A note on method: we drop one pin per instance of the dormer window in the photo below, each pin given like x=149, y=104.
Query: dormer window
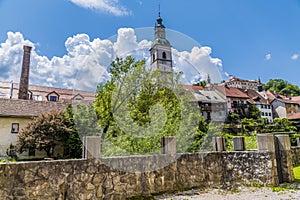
x=53, y=96
x=78, y=97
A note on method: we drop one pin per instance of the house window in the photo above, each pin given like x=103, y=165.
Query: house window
x=15, y=128
x=53, y=98
x=262, y=114
x=270, y=114
x=31, y=152
x=37, y=97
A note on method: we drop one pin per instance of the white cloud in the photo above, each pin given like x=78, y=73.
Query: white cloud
x=295, y=56
x=268, y=56
x=110, y=6
x=126, y=41
x=197, y=64
x=86, y=61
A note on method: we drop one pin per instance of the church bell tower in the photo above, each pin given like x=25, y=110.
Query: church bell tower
x=161, y=53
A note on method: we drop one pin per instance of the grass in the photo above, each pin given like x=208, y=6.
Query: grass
x=5, y=160
x=279, y=189
x=285, y=187
x=297, y=174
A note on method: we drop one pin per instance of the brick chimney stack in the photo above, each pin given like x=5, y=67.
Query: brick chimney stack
x=24, y=79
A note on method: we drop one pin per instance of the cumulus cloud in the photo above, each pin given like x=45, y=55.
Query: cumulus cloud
x=110, y=6
x=126, y=41
x=86, y=61
x=198, y=64
x=295, y=56
x=268, y=56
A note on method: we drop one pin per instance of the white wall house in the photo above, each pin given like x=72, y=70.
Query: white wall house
x=266, y=111
x=242, y=84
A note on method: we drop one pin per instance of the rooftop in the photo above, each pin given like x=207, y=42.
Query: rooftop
x=42, y=91
x=28, y=108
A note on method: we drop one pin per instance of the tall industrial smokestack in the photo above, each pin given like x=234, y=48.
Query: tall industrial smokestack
x=11, y=89
x=24, y=79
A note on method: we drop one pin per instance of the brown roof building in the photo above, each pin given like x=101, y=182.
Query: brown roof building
x=15, y=114
x=28, y=109
x=44, y=93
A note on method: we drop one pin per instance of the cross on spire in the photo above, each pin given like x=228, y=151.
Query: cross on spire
x=159, y=10
x=159, y=19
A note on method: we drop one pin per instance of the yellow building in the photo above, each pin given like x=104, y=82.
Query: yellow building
x=15, y=114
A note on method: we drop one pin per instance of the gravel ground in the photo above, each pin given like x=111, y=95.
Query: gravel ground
x=245, y=193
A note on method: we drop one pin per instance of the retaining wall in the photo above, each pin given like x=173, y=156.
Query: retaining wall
x=123, y=177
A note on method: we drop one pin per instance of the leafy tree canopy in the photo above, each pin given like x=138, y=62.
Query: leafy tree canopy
x=50, y=130
x=282, y=87
x=135, y=110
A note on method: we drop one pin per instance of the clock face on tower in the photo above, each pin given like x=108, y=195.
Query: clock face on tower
x=162, y=34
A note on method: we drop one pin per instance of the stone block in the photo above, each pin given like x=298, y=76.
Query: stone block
x=284, y=158
x=91, y=147
x=219, y=144
x=265, y=142
x=239, y=144
x=298, y=142
x=168, y=145
x=284, y=142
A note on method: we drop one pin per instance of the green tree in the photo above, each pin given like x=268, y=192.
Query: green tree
x=282, y=87
x=86, y=121
x=202, y=83
x=283, y=124
x=135, y=110
x=253, y=112
x=233, y=118
x=50, y=130
x=118, y=69
x=72, y=143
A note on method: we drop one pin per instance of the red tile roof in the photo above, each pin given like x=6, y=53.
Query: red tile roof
x=232, y=92
x=273, y=95
x=192, y=87
x=255, y=97
x=296, y=99
x=294, y=116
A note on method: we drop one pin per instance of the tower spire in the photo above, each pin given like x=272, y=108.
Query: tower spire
x=161, y=52
x=159, y=19
x=159, y=10
x=208, y=79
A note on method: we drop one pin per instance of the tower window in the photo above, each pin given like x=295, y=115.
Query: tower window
x=164, y=55
x=153, y=57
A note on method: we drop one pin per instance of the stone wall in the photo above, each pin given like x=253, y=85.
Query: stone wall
x=123, y=177
x=250, y=167
x=295, y=151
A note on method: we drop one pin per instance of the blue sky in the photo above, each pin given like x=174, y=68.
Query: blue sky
x=250, y=38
